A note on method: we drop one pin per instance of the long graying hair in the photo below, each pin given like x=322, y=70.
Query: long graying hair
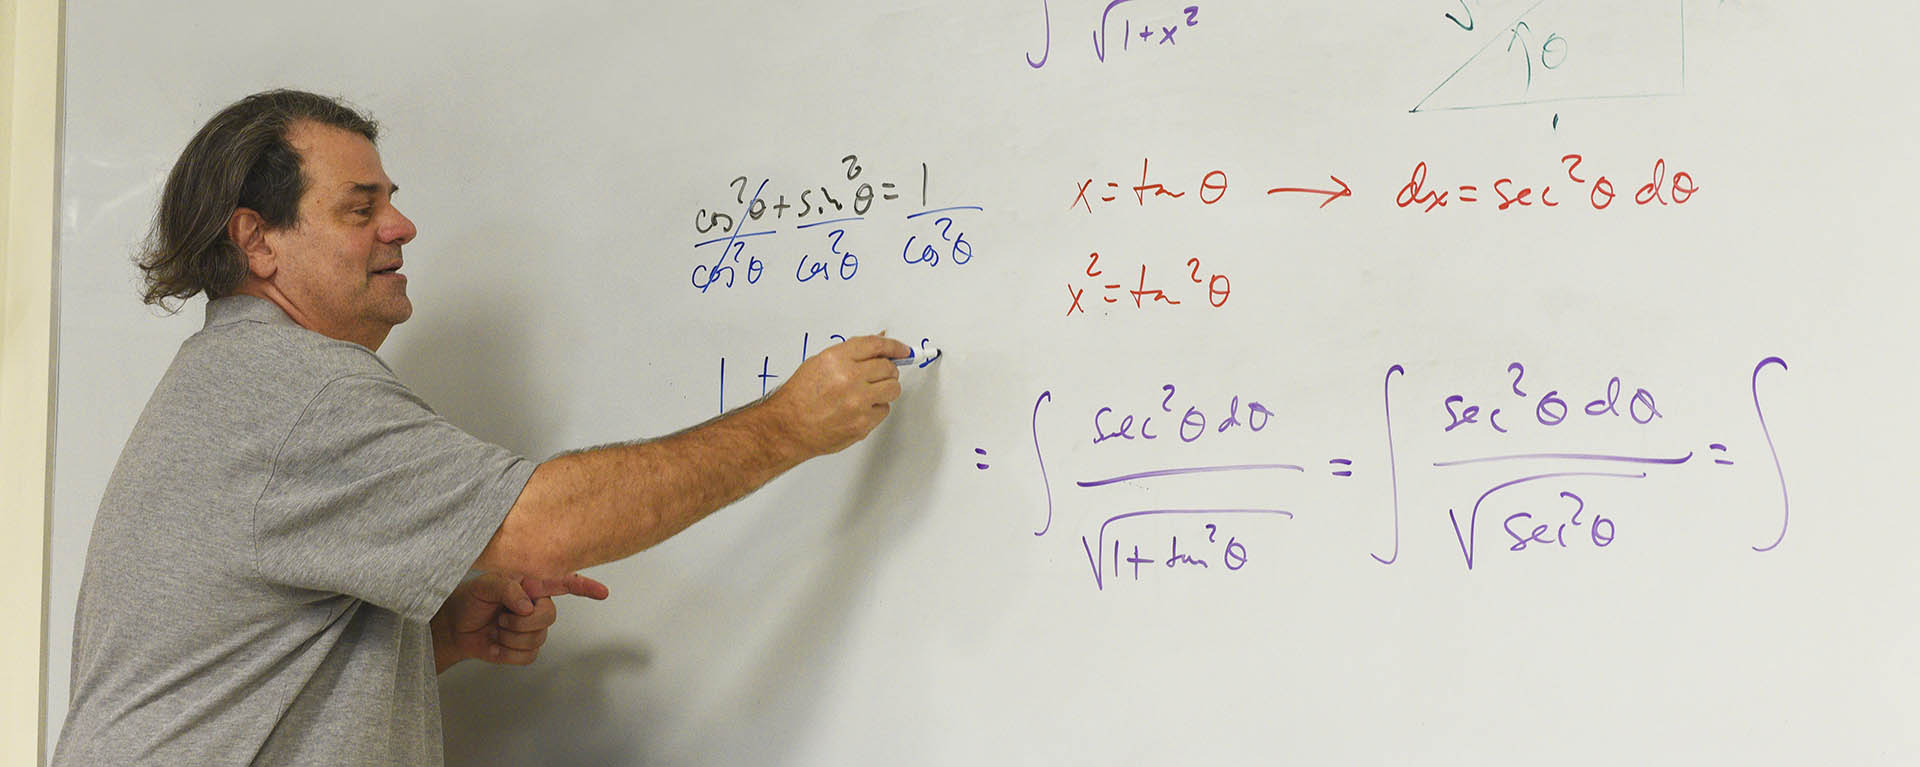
x=240, y=159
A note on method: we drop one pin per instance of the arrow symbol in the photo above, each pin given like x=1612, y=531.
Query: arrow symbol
x=1332, y=194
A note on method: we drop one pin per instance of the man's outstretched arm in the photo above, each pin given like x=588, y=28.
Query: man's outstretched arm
x=608, y=503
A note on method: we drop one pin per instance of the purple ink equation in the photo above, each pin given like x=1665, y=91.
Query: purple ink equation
x=1600, y=531
x=1193, y=423
x=1233, y=555
x=1785, y=505
x=1469, y=540
x=1550, y=512
x=1568, y=457
x=1040, y=457
x=1393, y=467
x=1156, y=32
x=1637, y=412
x=1551, y=409
x=1188, y=470
x=1230, y=555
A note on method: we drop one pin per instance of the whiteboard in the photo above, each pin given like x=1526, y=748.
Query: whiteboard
x=1436, y=382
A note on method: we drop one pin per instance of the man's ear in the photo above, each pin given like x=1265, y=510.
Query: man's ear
x=249, y=232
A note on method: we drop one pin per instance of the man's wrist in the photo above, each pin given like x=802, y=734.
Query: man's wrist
x=780, y=430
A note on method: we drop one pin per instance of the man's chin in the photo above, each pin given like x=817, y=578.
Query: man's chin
x=398, y=311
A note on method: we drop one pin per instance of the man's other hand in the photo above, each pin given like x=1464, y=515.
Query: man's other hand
x=504, y=620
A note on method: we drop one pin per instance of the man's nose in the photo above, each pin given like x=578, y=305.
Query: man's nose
x=398, y=231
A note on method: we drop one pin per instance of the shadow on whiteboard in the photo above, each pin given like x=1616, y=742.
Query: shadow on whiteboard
x=558, y=711
x=768, y=705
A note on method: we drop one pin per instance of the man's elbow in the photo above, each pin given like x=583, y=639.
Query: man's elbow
x=559, y=526
x=524, y=550
x=532, y=541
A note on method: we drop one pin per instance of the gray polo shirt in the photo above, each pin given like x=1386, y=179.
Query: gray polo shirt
x=283, y=522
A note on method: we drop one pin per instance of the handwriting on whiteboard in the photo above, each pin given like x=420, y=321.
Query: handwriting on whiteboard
x=1119, y=287
x=825, y=219
x=1210, y=189
x=1119, y=549
x=755, y=376
x=1660, y=189
x=1540, y=52
x=1143, y=26
x=1593, y=190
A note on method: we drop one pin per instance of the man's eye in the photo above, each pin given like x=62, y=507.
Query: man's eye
x=364, y=212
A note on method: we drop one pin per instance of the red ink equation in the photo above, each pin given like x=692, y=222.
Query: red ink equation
x=1126, y=285
x=1596, y=191
x=1211, y=189
x=1089, y=193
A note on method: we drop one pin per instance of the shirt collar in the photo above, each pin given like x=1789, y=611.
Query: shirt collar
x=244, y=308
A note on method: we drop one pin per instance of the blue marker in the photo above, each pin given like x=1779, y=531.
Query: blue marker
x=910, y=359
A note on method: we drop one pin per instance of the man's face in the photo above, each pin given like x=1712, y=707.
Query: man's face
x=339, y=266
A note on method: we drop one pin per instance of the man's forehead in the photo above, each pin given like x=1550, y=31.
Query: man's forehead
x=338, y=161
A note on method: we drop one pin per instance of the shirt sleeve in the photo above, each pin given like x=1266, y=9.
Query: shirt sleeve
x=375, y=496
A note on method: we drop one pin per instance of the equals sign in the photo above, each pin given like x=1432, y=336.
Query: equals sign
x=1719, y=448
x=885, y=186
x=1342, y=472
x=1464, y=190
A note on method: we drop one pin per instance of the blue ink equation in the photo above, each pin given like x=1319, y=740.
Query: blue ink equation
x=765, y=380
x=756, y=214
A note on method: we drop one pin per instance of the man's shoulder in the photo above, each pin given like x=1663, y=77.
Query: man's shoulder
x=241, y=385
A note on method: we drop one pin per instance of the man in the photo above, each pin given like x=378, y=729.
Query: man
x=275, y=574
